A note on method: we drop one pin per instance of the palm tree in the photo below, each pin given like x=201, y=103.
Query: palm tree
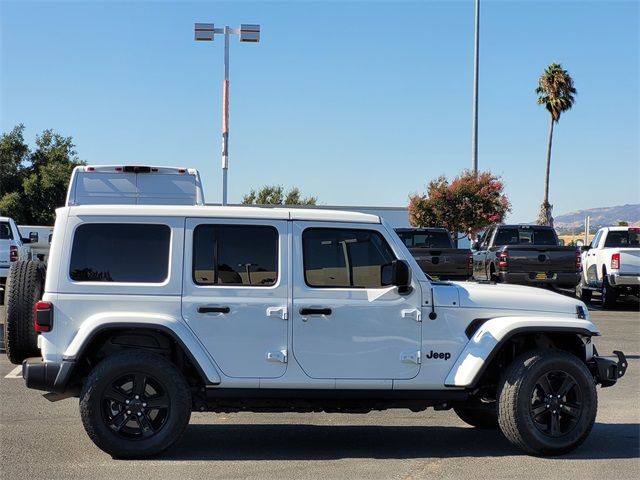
x=556, y=92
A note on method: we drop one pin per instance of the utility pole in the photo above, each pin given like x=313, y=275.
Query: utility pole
x=474, y=133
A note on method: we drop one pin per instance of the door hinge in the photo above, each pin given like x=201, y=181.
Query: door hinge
x=277, y=356
x=280, y=312
x=412, y=356
x=412, y=313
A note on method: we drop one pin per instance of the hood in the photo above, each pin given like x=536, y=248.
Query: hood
x=515, y=297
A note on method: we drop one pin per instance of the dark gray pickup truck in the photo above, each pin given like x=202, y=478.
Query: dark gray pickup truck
x=434, y=251
x=526, y=255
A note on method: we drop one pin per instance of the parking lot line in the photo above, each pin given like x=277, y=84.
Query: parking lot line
x=15, y=373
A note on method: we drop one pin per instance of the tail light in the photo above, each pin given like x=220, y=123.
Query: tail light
x=503, y=260
x=615, y=261
x=578, y=262
x=43, y=317
x=470, y=264
x=13, y=253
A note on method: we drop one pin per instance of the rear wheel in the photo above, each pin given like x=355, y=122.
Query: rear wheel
x=609, y=294
x=135, y=404
x=547, y=402
x=25, y=285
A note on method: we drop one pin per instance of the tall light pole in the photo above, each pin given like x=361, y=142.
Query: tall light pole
x=474, y=133
x=247, y=33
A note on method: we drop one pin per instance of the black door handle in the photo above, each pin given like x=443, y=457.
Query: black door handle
x=315, y=311
x=214, y=309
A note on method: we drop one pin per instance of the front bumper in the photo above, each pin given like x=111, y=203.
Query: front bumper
x=47, y=376
x=567, y=280
x=607, y=371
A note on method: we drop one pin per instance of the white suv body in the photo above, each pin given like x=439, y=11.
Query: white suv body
x=266, y=303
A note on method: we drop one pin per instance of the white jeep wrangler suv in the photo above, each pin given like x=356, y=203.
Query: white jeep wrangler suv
x=152, y=312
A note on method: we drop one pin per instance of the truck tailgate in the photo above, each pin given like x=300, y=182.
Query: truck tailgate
x=629, y=261
x=442, y=263
x=541, y=259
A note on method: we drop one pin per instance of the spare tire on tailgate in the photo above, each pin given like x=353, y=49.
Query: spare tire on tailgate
x=25, y=286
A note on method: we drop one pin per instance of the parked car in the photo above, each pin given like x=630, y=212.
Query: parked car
x=39, y=240
x=13, y=247
x=526, y=255
x=152, y=312
x=611, y=265
x=436, y=254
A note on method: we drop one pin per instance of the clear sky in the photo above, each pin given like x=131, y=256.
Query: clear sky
x=359, y=103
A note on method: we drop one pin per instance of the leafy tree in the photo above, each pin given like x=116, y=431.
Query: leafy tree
x=275, y=195
x=623, y=223
x=468, y=204
x=556, y=92
x=34, y=183
x=13, y=154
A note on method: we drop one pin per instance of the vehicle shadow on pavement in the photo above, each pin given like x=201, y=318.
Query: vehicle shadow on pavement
x=326, y=442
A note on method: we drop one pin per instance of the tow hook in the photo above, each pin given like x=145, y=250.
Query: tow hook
x=607, y=371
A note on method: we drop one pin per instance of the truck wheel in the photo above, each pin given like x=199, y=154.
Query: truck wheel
x=135, y=404
x=479, y=416
x=547, y=402
x=25, y=285
x=609, y=294
x=582, y=293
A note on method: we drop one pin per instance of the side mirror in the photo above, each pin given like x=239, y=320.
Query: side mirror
x=585, y=248
x=33, y=237
x=26, y=240
x=397, y=273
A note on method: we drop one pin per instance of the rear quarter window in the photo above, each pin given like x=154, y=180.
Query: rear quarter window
x=5, y=231
x=120, y=252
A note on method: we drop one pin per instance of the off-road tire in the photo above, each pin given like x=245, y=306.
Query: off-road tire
x=582, y=293
x=25, y=285
x=94, y=399
x=478, y=415
x=515, y=404
x=609, y=294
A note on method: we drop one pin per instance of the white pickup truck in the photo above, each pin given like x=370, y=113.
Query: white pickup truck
x=12, y=248
x=611, y=265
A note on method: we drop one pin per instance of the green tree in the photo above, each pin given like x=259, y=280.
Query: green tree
x=467, y=204
x=34, y=183
x=623, y=223
x=556, y=92
x=275, y=195
x=14, y=153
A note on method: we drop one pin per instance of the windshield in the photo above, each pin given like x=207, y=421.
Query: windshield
x=623, y=239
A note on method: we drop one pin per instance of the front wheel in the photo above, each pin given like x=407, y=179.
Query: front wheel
x=547, y=402
x=135, y=404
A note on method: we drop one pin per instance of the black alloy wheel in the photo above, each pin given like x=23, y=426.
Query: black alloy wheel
x=556, y=403
x=135, y=406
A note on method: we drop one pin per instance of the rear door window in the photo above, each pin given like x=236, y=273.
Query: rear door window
x=120, y=252
x=245, y=255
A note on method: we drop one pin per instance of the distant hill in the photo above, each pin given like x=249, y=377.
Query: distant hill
x=600, y=217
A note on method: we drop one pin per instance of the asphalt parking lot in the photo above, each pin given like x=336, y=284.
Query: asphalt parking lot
x=42, y=440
